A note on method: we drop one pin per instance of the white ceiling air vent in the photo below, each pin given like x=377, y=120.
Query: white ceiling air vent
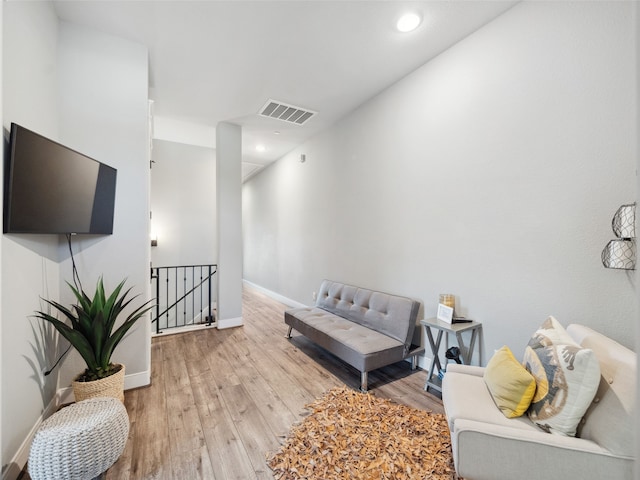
x=286, y=113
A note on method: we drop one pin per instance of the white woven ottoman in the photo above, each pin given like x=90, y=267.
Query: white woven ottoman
x=80, y=441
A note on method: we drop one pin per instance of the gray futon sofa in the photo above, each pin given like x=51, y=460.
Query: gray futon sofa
x=364, y=328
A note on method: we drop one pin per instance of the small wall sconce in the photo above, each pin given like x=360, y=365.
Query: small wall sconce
x=621, y=252
x=154, y=240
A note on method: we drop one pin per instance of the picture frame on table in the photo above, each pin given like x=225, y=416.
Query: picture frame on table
x=445, y=313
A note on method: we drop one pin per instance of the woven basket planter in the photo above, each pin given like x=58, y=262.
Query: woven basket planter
x=111, y=386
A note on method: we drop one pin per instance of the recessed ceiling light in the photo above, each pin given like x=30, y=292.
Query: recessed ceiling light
x=408, y=22
x=276, y=132
x=260, y=148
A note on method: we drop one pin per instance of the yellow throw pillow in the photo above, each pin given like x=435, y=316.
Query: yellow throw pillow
x=509, y=383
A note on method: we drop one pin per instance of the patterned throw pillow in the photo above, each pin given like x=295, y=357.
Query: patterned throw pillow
x=567, y=377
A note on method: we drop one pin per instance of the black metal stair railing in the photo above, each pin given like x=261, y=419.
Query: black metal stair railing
x=184, y=296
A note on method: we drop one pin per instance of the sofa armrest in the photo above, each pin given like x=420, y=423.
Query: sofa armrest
x=534, y=455
x=468, y=369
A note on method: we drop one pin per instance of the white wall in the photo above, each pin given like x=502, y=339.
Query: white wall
x=492, y=172
x=88, y=91
x=103, y=105
x=636, y=18
x=29, y=263
x=183, y=202
x=182, y=131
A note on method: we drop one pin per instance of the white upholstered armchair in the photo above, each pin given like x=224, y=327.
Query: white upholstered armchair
x=489, y=446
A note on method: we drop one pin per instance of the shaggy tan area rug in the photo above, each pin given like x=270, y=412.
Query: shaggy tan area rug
x=353, y=435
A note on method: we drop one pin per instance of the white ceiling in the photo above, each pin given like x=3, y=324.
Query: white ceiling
x=214, y=61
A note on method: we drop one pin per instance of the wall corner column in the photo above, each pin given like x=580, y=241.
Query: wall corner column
x=229, y=212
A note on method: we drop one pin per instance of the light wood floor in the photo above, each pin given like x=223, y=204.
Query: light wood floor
x=220, y=400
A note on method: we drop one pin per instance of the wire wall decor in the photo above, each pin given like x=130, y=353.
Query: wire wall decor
x=620, y=253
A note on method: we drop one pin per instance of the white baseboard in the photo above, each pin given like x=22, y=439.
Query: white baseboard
x=187, y=328
x=229, y=322
x=65, y=395
x=19, y=460
x=62, y=396
x=137, y=380
x=276, y=296
x=423, y=362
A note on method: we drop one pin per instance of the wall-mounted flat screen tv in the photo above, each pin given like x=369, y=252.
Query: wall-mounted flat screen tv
x=50, y=188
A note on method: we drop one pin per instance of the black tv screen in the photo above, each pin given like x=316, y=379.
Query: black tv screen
x=50, y=188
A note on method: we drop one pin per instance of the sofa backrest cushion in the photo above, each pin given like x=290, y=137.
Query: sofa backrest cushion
x=610, y=419
x=391, y=315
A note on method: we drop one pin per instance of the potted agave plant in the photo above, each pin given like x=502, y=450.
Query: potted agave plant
x=92, y=334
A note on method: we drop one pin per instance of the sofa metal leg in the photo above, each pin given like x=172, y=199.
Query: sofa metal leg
x=364, y=379
x=288, y=335
x=414, y=362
